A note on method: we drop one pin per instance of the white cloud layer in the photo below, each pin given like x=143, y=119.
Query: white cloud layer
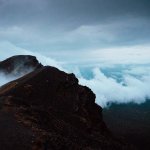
x=135, y=80
x=139, y=54
x=107, y=89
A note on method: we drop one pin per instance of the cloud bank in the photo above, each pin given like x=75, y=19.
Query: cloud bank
x=112, y=80
x=108, y=89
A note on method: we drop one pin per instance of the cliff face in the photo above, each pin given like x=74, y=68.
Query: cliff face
x=49, y=110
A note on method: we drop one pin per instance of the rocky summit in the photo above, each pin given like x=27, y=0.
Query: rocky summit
x=19, y=65
x=47, y=109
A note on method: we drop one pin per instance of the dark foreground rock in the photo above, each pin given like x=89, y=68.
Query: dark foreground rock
x=48, y=110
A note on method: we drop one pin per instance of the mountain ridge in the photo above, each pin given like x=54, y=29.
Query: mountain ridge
x=56, y=112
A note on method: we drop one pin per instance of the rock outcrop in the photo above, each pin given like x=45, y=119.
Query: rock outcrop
x=19, y=65
x=48, y=110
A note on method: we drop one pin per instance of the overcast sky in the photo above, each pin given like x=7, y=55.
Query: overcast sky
x=73, y=28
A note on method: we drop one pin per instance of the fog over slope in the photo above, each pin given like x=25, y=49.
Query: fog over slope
x=4, y=79
x=120, y=83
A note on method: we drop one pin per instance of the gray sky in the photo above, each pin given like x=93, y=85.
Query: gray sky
x=55, y=27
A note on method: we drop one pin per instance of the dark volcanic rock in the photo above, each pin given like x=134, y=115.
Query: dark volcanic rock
x=57, y=112
x=19, y=65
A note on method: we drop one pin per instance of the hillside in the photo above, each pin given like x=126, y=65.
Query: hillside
x=47, y=109
x=130, y=122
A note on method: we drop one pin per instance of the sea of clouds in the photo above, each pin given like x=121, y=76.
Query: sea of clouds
x=111, y=81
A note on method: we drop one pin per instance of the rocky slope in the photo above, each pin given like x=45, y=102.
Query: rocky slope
x=131, y=122
x=48, y=110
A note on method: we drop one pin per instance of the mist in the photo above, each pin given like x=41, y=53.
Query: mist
x=4, y=79
x=15, y=74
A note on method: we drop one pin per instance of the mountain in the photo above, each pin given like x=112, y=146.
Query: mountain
x=47, y=109
x=131, y=122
